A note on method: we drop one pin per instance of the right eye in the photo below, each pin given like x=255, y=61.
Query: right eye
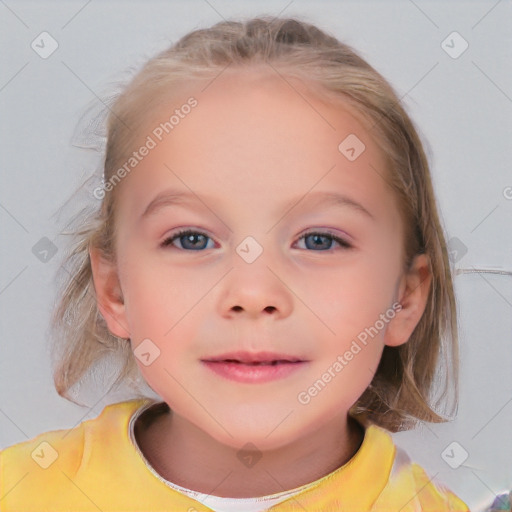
x=189, y=239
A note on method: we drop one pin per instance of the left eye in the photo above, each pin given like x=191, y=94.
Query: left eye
x=195, y=240
x=316, y=238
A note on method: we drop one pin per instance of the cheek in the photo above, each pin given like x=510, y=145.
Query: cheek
x=351, y=297
x=158, y=295
x=352, y=304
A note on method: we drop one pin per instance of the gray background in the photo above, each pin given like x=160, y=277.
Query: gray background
x=463, y=107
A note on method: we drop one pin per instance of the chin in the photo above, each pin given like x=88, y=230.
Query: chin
x=263, y=434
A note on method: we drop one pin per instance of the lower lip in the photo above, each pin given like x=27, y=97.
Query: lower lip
x=254, y=374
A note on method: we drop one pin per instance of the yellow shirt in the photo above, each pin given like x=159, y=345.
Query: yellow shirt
x=95, y=466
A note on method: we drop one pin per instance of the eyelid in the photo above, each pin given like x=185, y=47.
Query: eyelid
x=334, y=232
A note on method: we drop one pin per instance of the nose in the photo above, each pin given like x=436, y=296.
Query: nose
x=255, y=291
x=267, y=309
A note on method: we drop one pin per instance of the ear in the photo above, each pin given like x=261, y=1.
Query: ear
x=413, y=291
x=108, y=294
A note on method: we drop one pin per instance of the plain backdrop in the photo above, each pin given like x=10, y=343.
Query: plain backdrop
x=460, y=100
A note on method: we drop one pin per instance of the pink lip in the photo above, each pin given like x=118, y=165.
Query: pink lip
x=254, y=373
x=254, y=367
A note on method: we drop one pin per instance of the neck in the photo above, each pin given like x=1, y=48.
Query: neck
x=187, y=456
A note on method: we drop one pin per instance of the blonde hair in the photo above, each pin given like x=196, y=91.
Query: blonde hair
x=404, y=386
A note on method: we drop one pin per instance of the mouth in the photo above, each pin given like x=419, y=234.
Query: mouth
x=259, y=358
x=258, y=363
x=256, y=368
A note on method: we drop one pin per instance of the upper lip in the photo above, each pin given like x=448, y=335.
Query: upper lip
x=254, y=357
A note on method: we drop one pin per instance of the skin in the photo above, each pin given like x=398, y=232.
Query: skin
x=252, y=146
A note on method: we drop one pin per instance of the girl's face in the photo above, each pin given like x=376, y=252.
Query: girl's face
x=266, y=175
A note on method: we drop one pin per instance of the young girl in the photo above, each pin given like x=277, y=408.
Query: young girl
x=268, y=255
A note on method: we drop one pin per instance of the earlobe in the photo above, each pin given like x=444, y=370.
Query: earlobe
x=109, y=294
x=413, y=293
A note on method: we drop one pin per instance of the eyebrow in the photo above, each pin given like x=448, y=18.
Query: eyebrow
x=173, y=197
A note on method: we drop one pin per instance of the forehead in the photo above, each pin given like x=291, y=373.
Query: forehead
x=253, y=135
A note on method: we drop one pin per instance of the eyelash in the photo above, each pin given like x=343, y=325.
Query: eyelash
x=343, y=243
